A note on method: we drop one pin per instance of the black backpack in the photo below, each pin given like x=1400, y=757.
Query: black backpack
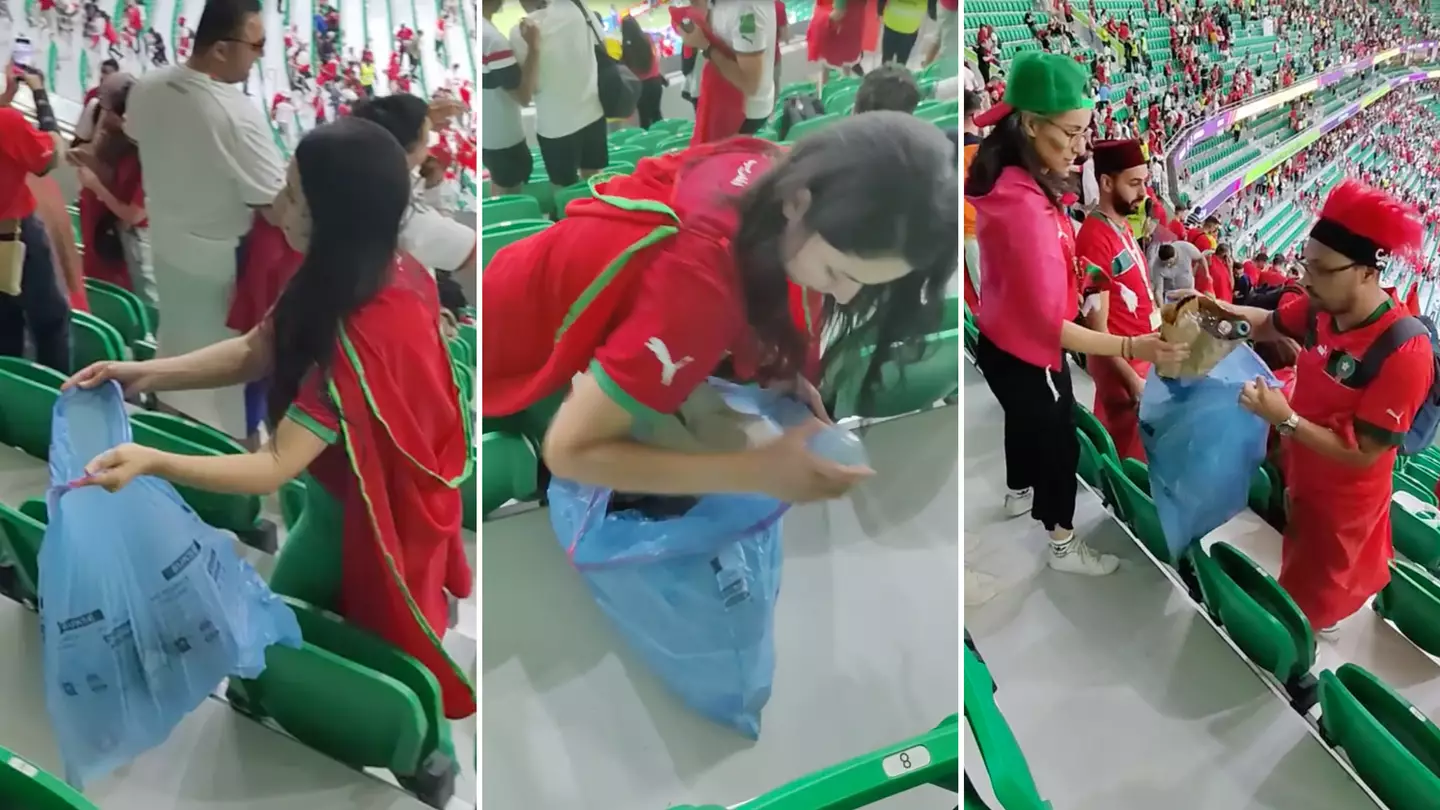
x=796, y=109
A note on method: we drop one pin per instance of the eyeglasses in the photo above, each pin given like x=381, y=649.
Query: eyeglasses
x=1324, y=272
x=258, y=46
x=1072, y=135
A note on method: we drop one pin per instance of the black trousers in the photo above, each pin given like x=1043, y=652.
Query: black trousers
x=895, y=46
x=1041, y=451
x=648, y=108
x=42, y=307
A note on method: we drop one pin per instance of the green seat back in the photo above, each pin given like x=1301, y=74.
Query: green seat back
x=509, y=470
x=628, y=153
x=565, y=196
x=93, y=340
x=292, y=501
x=1000, y=753
x=235, y=513
x=932, y=758
x=20, y=538
x=145, y=349
x=809, y=125
x=836, y=87
x=348, y=694
x=1262, y=492
x=622, y=136
x=1258, y=614
x=841, y=102
x=1090, y=464
x=508, y=208
x=950, y=314
x=795, y=89
x=649, y=143
x=25, y=413
x=495, y=237
x=1392, y=745
x=1412, y=602
x=34, y=372
x=118, y=307
x=1099, y=436
x=930, y=376
x=674, y=126
x=190, y=430
x=25, y=787
x=1405, y=483
x=1127, y=488
x=1414, y=528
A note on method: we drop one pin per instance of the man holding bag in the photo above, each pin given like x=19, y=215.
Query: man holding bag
x=1364, y=370
x=1117, y=297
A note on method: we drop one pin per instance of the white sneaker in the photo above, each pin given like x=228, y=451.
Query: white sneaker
x=1018, y=501
x=1074, y=557
x=980, y=587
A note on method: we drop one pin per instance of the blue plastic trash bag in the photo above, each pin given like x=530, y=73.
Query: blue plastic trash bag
x=694, y=596
x=1202, y=445
x=144, y=609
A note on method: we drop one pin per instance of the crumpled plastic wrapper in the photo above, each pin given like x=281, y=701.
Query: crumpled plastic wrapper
x=1203, y=325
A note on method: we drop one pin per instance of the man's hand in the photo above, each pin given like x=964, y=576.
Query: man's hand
x=529, y=31
x=12, y=84
x=32, y=78
x=1265, y=402
x=695, y=38
x=443, y=109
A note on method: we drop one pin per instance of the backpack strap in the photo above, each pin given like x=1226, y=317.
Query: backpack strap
x=1395, y=336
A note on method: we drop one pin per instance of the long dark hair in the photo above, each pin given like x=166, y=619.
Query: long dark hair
x=1008, y=145
x=636, y=49
x=354, y=177
x=882, y=184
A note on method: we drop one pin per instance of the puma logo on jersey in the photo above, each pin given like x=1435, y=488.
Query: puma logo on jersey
x=668, y=367
x=742, y=177
x=1393, y=415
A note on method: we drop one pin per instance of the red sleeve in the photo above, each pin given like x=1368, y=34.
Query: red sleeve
x=313, y=411
x=1388, y=404
x=1292, y=317
x=31, y=149
x=682, y=323
x=1096, y=250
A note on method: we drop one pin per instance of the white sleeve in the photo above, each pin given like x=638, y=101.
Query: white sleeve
x=518, y=48
x=253, y=157
x=747, y=27
x=435, y=240
x=496, y=51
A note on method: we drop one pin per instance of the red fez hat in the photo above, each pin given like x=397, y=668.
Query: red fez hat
x=1113, y=157
x=1366, y=225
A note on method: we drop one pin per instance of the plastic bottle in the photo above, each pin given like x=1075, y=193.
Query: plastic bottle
x=840, y=446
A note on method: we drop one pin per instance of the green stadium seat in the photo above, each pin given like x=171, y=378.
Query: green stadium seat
x=811, y=125
x=1259, y=616
x=565, y=196
x=1000, y=753
x=1392, y=745
x=495, y=237
x=355, y=698
x=235, y=513
x=25, y=787
x=510, y=471
x=25, y=417
x=1127, y=484
x=93, y=340
x=120, y=308
x=1415, y=529
x=20, y=538
x=1412, y=603
x=509, y=208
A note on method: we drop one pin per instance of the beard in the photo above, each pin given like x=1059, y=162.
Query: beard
x=1125, y=207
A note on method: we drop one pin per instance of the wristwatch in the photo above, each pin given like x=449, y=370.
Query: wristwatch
x=1287, y=428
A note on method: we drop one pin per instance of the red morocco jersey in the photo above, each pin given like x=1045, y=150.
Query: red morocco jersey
x=635, y=285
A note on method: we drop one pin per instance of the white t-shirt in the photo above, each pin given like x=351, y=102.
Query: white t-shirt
x=567, y=90
x=208, y=152
x=433, y=239
x=748, y=26
x=501, y=112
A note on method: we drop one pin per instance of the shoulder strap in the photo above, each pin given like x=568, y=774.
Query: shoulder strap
x=1395, y=336
x=1312, y=328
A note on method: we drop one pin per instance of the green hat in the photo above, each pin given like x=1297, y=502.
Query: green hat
x=1047, y=84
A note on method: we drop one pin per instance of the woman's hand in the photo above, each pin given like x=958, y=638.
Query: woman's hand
x=117, y=467
x=135, y=378
x=790, y=472
x=1153, y=349
x=805, y=391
